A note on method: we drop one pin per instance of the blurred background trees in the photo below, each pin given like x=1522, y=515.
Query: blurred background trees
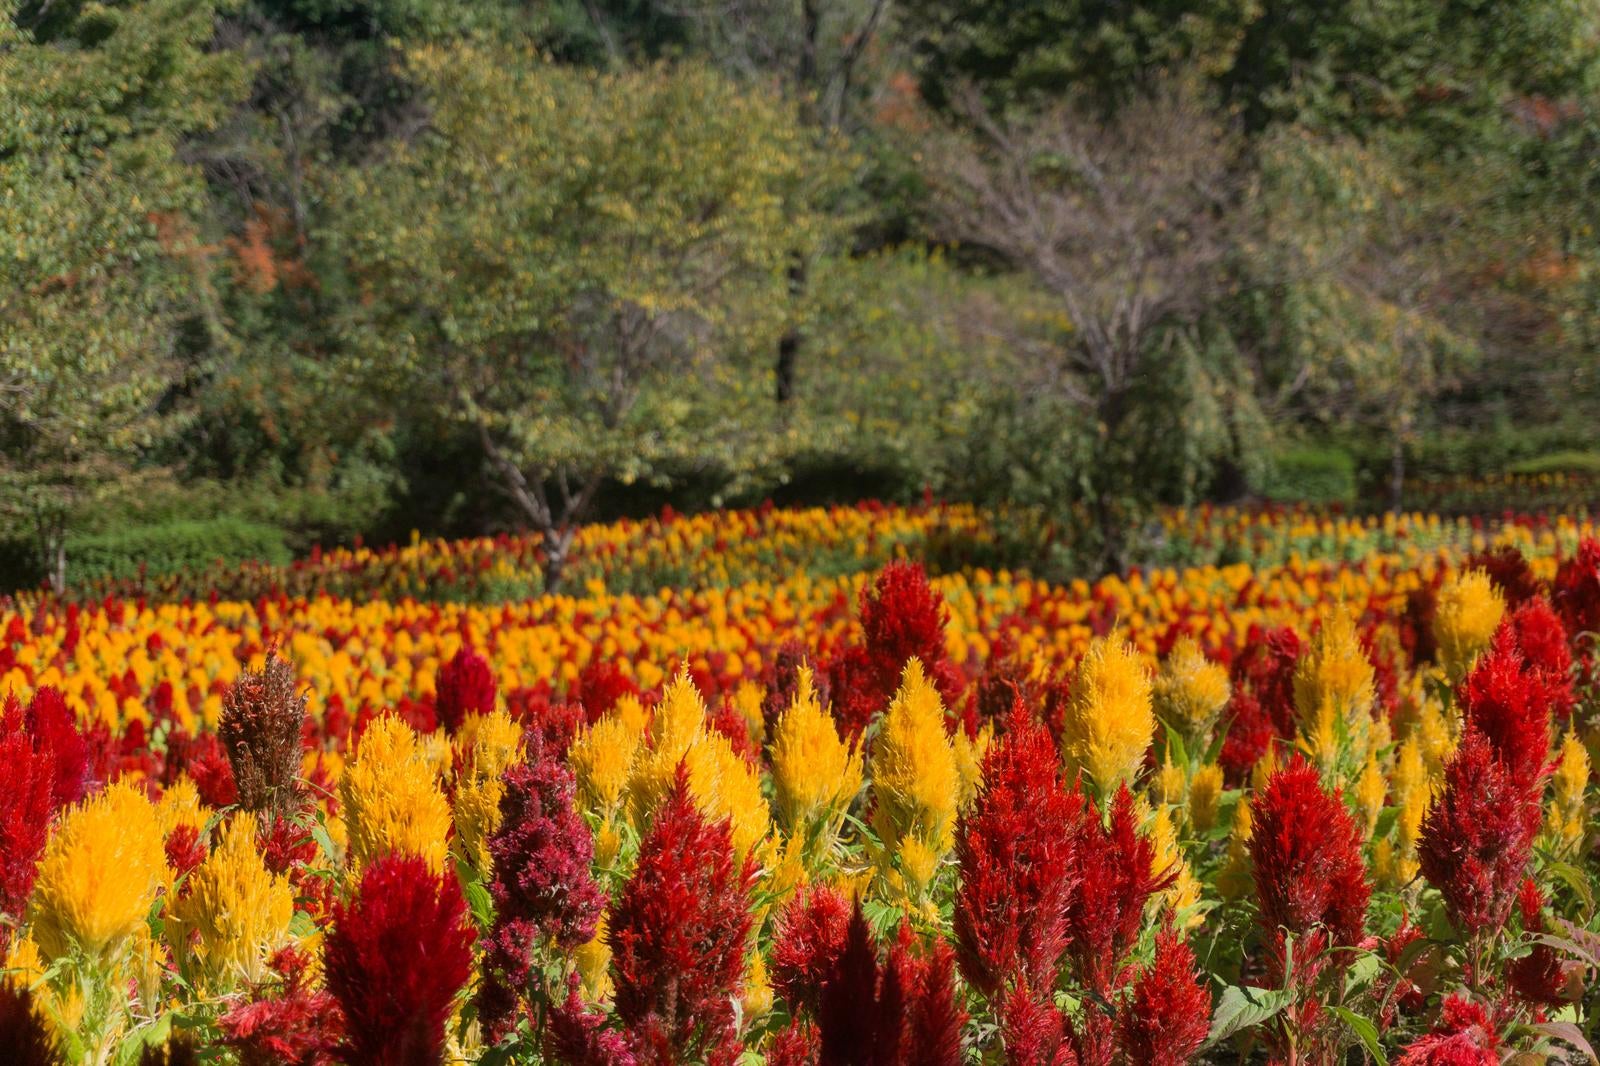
x=313, y=270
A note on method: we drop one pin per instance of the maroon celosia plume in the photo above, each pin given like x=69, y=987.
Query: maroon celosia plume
x=544, y=894
x=1478, y=834
x=1250, y=733
x=395, y=959
x=576, y=1036
x=262, y=722
x=1265, y=669
x=1415, y=624
x=678, y=935
x=1576, y=589
x=810, y=937
x=1537, y=977
x=1167, y=1014
x=1464, y=1036
x=902, y=617
x=466, y=686
x=1505, y=701
x=1309, y=873
x=900, y=1011
x=1508, y=571
x=1015, y=847
x=285, y=1022
x=1115, y=880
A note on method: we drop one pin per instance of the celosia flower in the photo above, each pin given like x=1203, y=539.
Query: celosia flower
x=1266, y=669
x=26, y=804
x=392, y=800
x=1468, y=613
x=815, y=775
x=1235, y=879
x=1333, y=693
x=1107, y=723
x=54, y=729
x=1546, y=653
x=1575, y=592
x=285, y=1021
x=1538, y=977
x=810, y=937
x=1205, y=797
x=1506, y=704
x=1167, y=1014
x=1371, y=790
x=1477, y=837
x=915, y=783
x=466, y=686
x=236, y=911
x=600, y=684
x=1191, y=691
x=1250, y=733
x=488, y=746
x=1183, y=890
x=1508, y=571
x=679, y=932
x=1015, y=848
x=99, y=875
x=262, y=720
x=1567, y=817
x=1116, y=877
x=678, y=721
x=395, y=959
x=902, y=618
x=1464, y=1036
x=900, y=1012
x=578, y=1037
x=726, y=788
x=546, y=900
x=602, y=758
x=796, y=1044
x=1309, y=873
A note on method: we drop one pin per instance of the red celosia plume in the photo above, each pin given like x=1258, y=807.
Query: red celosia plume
x=466, y=686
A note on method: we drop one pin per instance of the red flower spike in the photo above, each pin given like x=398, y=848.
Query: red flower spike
x=794, y=1045
x=1508, y=571
x=1266, y=670
x=1477, y=836
x=1538, y=977
x=395, y=959
x=466, y=686
x=1546, y=652
x=27, y=802
x=1309, y=871
x=1034, y=1033
x=678, y=934
x=1464, y=1036
x=1167, y=1015
x=575, y=1036
x=1115, y=879
x=902, y=617
x=809, y=940
x=1576, y=590
x=1504, y=701
x=287, y=1025
x=54, y=729
x=1016, y=848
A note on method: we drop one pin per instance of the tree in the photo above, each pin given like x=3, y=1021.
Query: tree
x=579, y=266
x=1124, y=222
x=102, y=263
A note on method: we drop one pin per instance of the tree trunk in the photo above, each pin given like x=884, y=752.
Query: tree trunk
x=789, y=343
x=1397, y=471
x=557, y=550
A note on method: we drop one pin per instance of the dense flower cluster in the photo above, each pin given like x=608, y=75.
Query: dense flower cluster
x=1293, y=806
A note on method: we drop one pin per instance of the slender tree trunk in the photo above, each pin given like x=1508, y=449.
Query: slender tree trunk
x=789, y=343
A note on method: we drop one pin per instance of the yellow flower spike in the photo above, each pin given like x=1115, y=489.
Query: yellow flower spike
x=1236, y=879
x=1370, y=792
x=1191, y=691
x=1168, y=860
x=1205, y=797
x=725, y=786
x=607, y=846
x=748, y=698
x=235, y=909
x=1566, y=819
x=1170, y=783
x=1334, y=693
x=1108, y=721
x=25, y=967
x=180, y=806
x=756, y=998
x=602, y=759
x=594, y=963
x=678, y=722
x=815, y=774
x=970, y=752
x=919, y=865
x=1264, y=768
x=1469, y=611
x=99, y=875
x=914, y=776
x=487, y=747
x=392, y=800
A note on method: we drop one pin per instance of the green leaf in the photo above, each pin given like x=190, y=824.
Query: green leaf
x=1244, y=1007
x=482, y=905
x=1365, y=1031
x=1574, y=879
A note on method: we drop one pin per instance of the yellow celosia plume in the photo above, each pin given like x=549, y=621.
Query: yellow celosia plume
x=815, y=775
x=236, y=911
x=1333, y=694
x=1469, y=611
x=1108, y=721
x=392, y=799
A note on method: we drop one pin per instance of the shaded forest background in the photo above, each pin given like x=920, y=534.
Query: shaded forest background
x=284, y=272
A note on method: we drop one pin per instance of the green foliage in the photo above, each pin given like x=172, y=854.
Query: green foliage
x=1311, y=475
x=173, y=547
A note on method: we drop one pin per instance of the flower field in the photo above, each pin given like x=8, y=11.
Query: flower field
x=757, y=788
